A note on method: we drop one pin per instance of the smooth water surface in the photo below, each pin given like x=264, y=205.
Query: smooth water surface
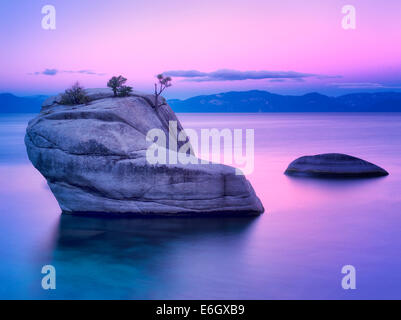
x=311, y=228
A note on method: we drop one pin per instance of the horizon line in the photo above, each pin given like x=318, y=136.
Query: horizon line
x=231, y=91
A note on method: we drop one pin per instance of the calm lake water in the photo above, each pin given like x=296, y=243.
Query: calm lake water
x=295, y=250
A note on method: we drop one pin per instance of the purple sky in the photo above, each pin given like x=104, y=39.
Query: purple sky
x=286, y=46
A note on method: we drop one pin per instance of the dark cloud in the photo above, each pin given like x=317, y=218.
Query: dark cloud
x=232, y=75
x=185, y=73
x=53, y=72
x=50, y=72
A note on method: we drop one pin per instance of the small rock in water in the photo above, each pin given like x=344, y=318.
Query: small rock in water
x=334, y=165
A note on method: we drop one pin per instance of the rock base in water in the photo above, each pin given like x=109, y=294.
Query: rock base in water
x=334, y=165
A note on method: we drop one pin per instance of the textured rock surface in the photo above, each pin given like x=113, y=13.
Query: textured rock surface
x=334, y=164
x=94, y=159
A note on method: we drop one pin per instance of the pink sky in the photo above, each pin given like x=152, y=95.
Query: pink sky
x=139, y=39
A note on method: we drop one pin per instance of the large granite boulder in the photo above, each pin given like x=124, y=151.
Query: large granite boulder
x=334, y=165
x=94, y=160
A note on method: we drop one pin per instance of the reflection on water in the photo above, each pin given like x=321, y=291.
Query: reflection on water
x=145, y=258
x=311, y=228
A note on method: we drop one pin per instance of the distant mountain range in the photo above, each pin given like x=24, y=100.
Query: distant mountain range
x=247, y=101
x=10, y=103
x=263, y=101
